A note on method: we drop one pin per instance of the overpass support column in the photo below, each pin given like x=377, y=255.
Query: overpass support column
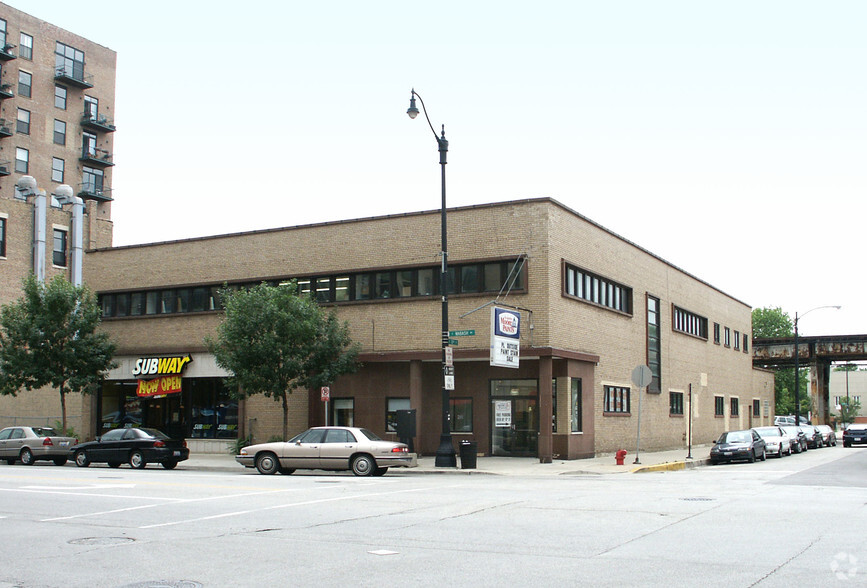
x=820, y=385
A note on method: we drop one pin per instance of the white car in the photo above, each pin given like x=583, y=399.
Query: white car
x=777, y=442
x=328, y=448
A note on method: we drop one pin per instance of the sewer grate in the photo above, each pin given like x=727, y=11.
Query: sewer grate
x=101, y=541
x=698, y=499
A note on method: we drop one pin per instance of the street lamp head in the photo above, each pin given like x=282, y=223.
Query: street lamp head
x=412, y=111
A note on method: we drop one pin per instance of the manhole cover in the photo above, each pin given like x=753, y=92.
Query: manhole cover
x=698, y=499
x=165, y=584
x=101, y=541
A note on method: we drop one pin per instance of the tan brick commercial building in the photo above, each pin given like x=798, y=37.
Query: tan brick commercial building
x=57, y=93
x=592, y=305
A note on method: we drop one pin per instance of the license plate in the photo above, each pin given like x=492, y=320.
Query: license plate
x=64, y=443
x=727, y=453
x=177, y=454
x=857, y=439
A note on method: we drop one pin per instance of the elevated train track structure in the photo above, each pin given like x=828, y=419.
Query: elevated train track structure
x=817, y=353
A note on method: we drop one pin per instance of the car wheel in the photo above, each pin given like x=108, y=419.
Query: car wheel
x=380, y=471
x=764, y=455
x=114, y=464
x=26, y=457
x=780, y=453
x=60, y=461
x=844, y=445
x=267, y=463
x=137, y=459
x=287, y=471
x=363, y=465
x=11, y=461
x=753, y=456
x=81, y=459
x=170, y=465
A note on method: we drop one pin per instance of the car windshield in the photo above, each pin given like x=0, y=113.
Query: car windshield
x=370, y=435
x=44, y=431
x=735, y=437
x=769, y=432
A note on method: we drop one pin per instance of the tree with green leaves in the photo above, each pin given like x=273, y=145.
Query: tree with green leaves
x=274, y=339
x=849, y=409
x=774, y=322
x=49, y=338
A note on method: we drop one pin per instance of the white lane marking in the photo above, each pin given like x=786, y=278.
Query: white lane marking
x=92, y=494
x=292, y=505
x=89, y=487
x=172, y=500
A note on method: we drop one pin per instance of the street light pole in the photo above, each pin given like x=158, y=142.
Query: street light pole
x=797, y=379
x=445, y=455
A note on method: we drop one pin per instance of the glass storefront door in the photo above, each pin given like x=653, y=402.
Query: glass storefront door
x=514, y=426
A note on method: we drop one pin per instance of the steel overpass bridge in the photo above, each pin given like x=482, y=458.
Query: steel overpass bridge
x=817, y=353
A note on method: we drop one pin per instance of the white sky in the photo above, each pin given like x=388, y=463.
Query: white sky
x=729, y=138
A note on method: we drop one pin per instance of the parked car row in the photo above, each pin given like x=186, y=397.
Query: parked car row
x=777, y=440
x=137, y=446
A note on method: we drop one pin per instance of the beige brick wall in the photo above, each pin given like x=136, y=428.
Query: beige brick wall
x=543, y=231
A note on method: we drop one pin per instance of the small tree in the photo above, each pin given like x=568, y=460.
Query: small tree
x=274, y=339
x=849, y=409
x=48, y=337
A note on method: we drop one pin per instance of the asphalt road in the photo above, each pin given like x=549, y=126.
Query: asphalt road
x=783, y=522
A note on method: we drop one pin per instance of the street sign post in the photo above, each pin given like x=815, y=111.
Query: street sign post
x=641, y=377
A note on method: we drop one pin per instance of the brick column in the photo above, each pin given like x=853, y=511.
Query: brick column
x=546, y=410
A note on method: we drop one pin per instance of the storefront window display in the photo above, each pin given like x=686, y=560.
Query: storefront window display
x=203, y=409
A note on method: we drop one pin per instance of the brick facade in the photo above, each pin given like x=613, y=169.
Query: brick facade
x=400, y=337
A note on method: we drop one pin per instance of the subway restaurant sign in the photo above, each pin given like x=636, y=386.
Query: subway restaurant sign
x=159, y=376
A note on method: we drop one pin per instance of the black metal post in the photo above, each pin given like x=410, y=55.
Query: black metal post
x=797, y=378
x=445, y=455
x=689, y=435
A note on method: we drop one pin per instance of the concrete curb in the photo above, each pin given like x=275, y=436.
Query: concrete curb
x=672, y=466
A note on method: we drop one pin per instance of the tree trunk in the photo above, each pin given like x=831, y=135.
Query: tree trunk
x=285, y=417
x=63, y=409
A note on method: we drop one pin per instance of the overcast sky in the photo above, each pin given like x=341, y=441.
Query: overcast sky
x=729, y=138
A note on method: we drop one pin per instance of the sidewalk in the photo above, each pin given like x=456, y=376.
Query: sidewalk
x=655, y=461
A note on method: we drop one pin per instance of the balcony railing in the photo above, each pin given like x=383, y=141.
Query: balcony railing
x=89, y=191
x=100, y=122
x=98, y=157
x=5, y=128
x=6, y=52
x=6, y=91
x=5, y=168
x=73, y=76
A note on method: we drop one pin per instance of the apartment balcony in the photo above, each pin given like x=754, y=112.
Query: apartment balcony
x=89, y=191
x=73, y=76
x=5, y=168
x=99, y=122
x=97, y=157
x=6, y=129
x=6, y=52
x=6, y=91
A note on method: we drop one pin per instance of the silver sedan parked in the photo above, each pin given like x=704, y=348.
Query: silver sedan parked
x=328, y=448
x=29, y=444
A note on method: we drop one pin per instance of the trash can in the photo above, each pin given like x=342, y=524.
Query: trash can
x=469, y=449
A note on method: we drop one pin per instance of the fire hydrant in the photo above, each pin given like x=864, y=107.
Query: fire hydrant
x=620, y=456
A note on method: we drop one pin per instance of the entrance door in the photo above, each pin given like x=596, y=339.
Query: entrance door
x=515, y=426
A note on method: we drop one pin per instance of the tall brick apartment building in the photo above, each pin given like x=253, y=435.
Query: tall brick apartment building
x=593, y=307
x=57, y=93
